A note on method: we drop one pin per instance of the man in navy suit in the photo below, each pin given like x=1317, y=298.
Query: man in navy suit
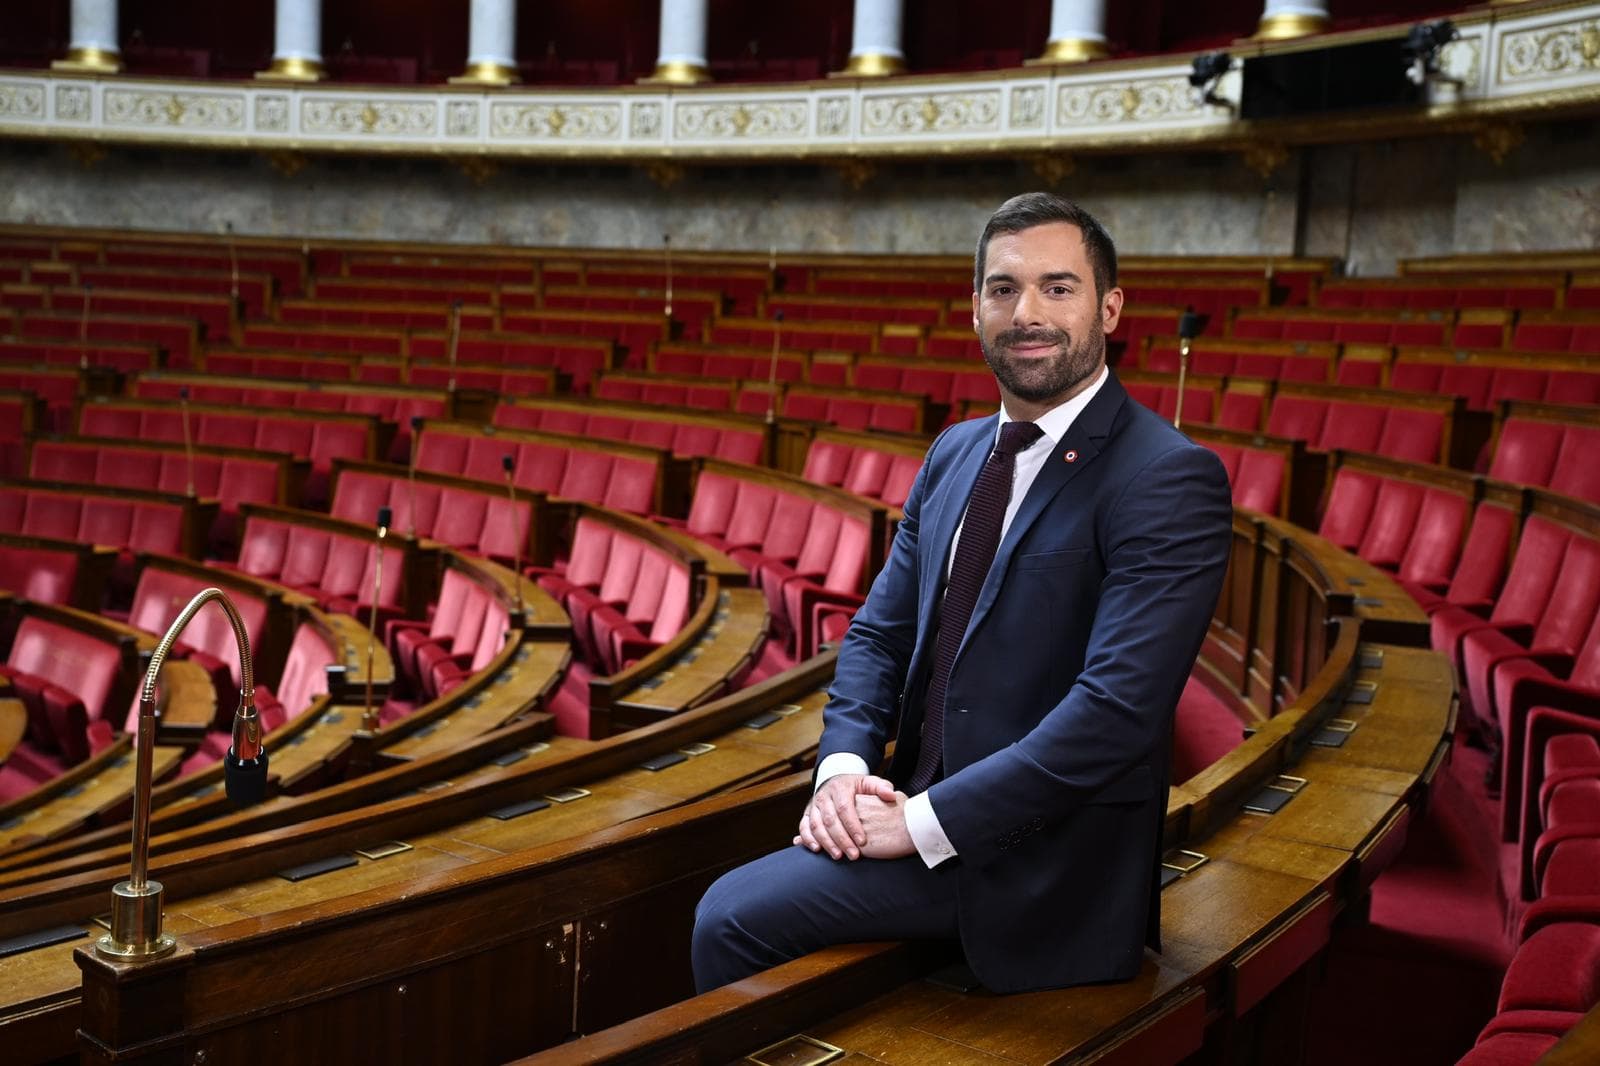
x=1025, y=646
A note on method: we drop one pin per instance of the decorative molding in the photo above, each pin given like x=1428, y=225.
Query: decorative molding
x=1512, y=65
x=555, y=120
x=23, y=103
x=746, y=119
x=142, y=109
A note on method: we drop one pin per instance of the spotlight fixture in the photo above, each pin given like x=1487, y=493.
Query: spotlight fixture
x=1422, y=48
x=1207, y=71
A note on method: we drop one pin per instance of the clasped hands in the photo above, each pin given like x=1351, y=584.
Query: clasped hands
x=856, y=816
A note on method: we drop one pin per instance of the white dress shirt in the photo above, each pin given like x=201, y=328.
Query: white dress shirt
x=921, y=822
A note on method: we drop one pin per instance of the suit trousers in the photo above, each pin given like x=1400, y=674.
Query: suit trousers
x=795, y=901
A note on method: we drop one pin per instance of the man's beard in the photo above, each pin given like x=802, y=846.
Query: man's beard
x=1042, y=378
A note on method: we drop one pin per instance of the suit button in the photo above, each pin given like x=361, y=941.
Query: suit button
x=961, y=710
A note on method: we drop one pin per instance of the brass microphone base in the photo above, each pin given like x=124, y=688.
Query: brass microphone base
x=136, y=934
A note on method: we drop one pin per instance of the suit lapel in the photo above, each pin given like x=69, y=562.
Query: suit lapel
x=1084, y=440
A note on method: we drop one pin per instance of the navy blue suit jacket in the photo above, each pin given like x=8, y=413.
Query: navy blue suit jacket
x=1059, y=707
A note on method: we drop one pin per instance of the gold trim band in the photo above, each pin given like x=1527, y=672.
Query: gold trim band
x=677, y=72
x=1071, y=50
x=293, y=68
x=486, y=73
x=1289, y=25
x=95, y=60
x=871, y=65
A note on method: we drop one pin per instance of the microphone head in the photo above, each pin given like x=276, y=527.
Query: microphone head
x=457, y=304
x=1191, y=324
x=778, y=314
x=244, y=779
x=507, y=463
x=385, y=517
x=183, y=393
x=416, y=423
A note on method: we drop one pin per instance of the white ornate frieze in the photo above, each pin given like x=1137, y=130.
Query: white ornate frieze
x=144, y=109
x=1562, y=46
x=749, y=118
x=1517, y=58
x=555, y=120
x=21, y=102
x=373, y=116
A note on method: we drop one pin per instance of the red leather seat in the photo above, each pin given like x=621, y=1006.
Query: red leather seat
x=263, y=548
x=48, y=514
x=1478, y=573
x=1522, y=601
x=1436, y=540
x=39, y=574
x=1258, y=481
x=1297, y=417
x=1391, y=524
x=305, y=674
x=1521, y=684
x=305, y=557
x=1576, y=472
x=1349, y=507
x=1555, y=969
x=1526, y=452
x=1351, y=426
x=1414, y=436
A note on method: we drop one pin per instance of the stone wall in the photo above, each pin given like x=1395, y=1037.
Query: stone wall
x=1369, y=204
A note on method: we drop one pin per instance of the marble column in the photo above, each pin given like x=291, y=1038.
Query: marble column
x=94, y=38
x=1077, y=31
x=297, y=42
x=1284, y=19
x=875, y=40
x=491, y=44
x=681, y=59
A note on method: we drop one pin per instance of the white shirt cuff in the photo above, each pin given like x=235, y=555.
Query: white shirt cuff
x=927, y=835
x=840, y=762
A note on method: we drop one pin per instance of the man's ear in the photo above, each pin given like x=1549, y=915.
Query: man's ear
x=1111, y=310
x=976, y=328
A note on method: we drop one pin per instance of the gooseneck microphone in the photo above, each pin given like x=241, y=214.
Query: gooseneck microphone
x=666, y=248
x=136, y=934
x=369, y=716
x=411, y=476
x=455, y=342
x=188, y=442
x=83, y=326
x=1190, y=323
x=509, y=466
x=772, y=369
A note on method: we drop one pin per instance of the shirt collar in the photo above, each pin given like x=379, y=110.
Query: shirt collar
x=1056, y=421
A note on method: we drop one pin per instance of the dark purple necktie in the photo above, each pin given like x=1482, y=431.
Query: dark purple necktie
x=980, y=537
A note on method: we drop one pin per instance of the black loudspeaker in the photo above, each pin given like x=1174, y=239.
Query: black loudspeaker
x=1352, y=77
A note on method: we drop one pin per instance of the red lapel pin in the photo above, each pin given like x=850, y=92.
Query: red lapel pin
x=1071, y=457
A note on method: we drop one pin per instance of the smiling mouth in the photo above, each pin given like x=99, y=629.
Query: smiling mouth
x=1032, y=348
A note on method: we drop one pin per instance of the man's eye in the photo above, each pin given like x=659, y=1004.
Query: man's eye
x=1059, y=290
x=1000, y=290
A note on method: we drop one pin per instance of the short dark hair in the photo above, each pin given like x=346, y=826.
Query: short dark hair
x=1039, y=208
